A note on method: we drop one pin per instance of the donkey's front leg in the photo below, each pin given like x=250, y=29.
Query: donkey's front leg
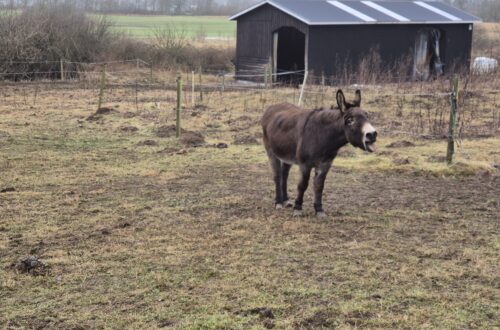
x=321, y=172
x=305, y=173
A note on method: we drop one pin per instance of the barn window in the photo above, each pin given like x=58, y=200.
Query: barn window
x=427, y=57
x=289, y=53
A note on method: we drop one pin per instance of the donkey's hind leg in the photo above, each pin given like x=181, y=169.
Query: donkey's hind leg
x=277, y=177
x=285, y=170
x=305, y=172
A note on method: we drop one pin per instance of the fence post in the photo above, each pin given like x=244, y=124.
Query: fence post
x=62, y=69
x=306, y=73
x=453, y=119
x=179, y=103
x=192, y=89
x=102, y=87
x=201, y=88
x=266, y=77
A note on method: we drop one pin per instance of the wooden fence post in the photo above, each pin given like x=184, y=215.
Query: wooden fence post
x=266, y=82
x=192, y=89
x=179, y=103
x=102, y=87
x=201, y=88
x=62, y=69
x=303, y=87
x=453, y=120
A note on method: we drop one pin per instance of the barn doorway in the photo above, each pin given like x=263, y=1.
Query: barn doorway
x=289, y=49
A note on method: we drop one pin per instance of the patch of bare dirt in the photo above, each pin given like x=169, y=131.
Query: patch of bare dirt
x=167, y=131
x=192, y=139
x=129, y=129
x=31, y=265
x=401, y=144
x=148, y=143
x=100, y=113
x=245, y=140
x=129, y=114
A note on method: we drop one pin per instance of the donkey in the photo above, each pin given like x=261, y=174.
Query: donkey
x=311, y=139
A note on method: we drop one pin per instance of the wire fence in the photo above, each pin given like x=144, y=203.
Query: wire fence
x=413, y=109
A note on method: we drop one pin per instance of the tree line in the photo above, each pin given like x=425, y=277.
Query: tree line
x=488, y=10
x=165, y=7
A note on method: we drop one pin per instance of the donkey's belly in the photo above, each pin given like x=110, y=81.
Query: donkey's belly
x=286, y=153
x=288, y=161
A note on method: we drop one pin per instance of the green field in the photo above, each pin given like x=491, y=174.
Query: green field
x=144, y=26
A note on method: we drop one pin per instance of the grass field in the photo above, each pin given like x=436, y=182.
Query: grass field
x=139, y=230
x=195, y=26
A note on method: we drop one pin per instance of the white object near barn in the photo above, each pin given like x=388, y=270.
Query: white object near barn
x=483, y=65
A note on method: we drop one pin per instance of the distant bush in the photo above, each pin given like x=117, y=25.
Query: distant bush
x=172, y=49
x=46, y=34
x=50, y=33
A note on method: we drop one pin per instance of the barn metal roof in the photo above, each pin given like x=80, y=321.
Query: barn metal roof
x=333, y=12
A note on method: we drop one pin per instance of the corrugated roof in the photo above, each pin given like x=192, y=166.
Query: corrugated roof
x=333, y=12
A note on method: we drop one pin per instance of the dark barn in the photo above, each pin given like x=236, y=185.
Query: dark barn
x=332, y=37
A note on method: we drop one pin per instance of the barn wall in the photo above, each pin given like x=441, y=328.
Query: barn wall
x=333, y=48
x=255, y=37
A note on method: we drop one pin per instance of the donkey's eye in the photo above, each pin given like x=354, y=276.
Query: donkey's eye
x=349, y=121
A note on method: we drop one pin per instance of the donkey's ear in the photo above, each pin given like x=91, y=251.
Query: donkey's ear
x=341, y=101
x=357, y=98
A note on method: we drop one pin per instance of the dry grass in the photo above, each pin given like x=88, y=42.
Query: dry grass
x=159, y=236
x=485, y=40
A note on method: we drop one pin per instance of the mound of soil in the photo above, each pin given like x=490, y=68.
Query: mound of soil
x=192, y=139
x=129, y=129
x=167, y=131
x=129, y=114
x=245, y=139
x=148, y=143
x=200, y=107
x=100, y=113
x=401, y=144
x=188, y=138
x=31, y=265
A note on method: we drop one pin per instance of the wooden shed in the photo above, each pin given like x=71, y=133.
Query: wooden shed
x=328, y=37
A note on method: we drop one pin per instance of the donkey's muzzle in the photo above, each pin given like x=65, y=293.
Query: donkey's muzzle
x=371, y=137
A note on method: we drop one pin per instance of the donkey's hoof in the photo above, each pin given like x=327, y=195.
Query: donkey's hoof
x=288, y=203
x=321, y=214
x=279, y=206
x=297, y=213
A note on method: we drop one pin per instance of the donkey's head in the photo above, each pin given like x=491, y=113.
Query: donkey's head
x=358, y=130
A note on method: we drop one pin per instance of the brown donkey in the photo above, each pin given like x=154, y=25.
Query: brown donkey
x=311, y=139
